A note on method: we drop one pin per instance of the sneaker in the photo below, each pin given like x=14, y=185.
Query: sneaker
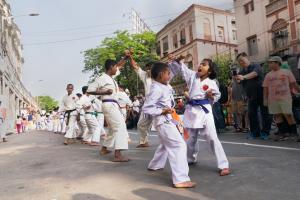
x=297, y=138
x=264, y=136
x=251, y=136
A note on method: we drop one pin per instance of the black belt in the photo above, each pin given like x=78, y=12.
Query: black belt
x=111, y=101
x=68, y=113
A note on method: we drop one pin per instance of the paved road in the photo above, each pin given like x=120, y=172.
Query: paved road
x=36, y=166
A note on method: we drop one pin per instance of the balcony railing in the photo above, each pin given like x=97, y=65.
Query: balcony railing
x=275, y=5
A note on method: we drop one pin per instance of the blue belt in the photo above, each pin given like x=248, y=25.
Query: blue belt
x=201, y=103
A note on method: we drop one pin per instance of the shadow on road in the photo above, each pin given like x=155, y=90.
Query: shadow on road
x=87, y=196
x=151, y=194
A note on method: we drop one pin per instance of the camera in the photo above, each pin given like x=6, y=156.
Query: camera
x=234, y=72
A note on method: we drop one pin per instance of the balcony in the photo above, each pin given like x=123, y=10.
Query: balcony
x=275, y=5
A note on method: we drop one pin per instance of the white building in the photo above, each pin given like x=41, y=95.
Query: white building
x=138, y=24
x=11, y=61
x=199, y=32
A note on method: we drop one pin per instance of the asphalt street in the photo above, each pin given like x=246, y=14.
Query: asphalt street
x=37, y=166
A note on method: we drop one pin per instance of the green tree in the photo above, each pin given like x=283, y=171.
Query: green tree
x=47, y=103
x=144, y=46
x=224, y=62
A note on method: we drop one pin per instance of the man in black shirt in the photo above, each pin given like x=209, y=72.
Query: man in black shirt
x=251, y=77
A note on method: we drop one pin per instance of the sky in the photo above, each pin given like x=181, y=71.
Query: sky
x=50, y=64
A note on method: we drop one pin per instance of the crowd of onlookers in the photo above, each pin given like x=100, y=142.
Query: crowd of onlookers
x=252, y=102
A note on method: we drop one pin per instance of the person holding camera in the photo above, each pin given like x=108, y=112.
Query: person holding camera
x=251, y=78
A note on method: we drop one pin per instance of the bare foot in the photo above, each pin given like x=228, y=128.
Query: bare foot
x=121, y=159
x=94, y=144
x=104, y=151
x=143, y=145
x=187, y=184
x=154, y=170
x=224, y=172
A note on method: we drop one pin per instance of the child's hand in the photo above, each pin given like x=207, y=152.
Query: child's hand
x=209, y=94
x=166, y=111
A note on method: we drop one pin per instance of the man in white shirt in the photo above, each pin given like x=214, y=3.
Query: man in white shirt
x=68, y=106
x=108, y=88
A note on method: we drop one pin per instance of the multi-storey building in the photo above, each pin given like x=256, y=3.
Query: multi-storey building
x=268, y=27
x=199, y=32
x=16, y=96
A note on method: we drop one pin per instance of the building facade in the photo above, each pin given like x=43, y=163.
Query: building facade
x=268, y=27
x=199, y=32
x=11, y=88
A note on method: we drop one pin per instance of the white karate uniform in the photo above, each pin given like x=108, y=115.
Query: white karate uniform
x=197, y=121
x=69, y=103
x=62, y=123
x=172, y=144
x=124, y=101
x=117, y=132
x=97, y=104
x=81, y=124
x=144, y=123
x=90, y=119
x=55, y=121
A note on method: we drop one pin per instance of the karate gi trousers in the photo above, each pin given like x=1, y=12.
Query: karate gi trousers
x=172, y=147
x=210, y=134
x=70, y=128
x=117, y=131
x=144, y=126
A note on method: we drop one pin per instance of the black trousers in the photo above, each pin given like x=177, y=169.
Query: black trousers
x=259, y=117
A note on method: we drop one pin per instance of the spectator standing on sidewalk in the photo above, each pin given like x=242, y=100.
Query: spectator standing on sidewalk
x=251, y=78
x=278, y=85
x=236, y=100
x=19, y=124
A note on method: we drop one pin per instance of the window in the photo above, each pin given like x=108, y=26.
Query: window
x=220, y=33
x=252, y=45
x=246, y=8
x=191, y=32
x=251, y=4
x=249, y=7
x=206, y=29
x=158, y=51
x=234, y=35
x=175, y=41
x=182, y=36
x=165, y=44
x=280, y=34
x=280, y=38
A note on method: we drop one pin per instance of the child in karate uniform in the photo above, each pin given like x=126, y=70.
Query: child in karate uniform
x=198, y=115
x=158, y=105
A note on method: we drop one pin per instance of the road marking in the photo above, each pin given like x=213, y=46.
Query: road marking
x=241, y=143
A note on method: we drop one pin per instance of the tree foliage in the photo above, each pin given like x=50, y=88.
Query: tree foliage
x=113, y=47
x=223, y=62
x=47, y=103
